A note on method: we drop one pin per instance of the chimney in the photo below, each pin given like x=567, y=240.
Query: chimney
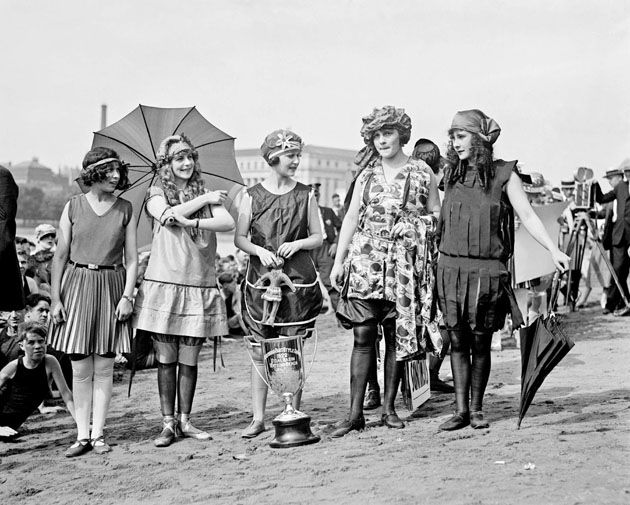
x=103, y=116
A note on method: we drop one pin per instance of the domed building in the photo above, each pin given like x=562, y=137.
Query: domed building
x=33, y=174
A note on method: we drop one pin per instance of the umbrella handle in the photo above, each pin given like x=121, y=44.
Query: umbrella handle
x=555, y=290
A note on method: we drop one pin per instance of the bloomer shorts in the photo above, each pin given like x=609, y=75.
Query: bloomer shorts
x=355, y=311
x=175, y=348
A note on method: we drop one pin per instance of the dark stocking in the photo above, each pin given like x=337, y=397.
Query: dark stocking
x=363, y=354
x=372, y=381
x=393, y=369
x=460, y=365
x=480, y=368
x=167, y=387
x=186, y=384
x=435, y=363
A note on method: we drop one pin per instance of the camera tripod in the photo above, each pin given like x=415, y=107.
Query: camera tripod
x=578, y=238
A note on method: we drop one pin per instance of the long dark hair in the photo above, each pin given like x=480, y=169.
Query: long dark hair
x=481, y=158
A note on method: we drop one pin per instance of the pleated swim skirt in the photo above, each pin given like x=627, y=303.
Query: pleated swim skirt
x=475, y=293
x=90, y=298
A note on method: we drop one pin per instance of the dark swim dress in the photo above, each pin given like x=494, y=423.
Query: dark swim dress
x=277, y=219
x=476, y=241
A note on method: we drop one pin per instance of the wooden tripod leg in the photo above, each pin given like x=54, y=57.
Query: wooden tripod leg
x=574, y=241
x=608, y=264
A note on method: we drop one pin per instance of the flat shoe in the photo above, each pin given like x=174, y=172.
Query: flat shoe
x=477, y=421
x=439, y=386
x=392, y=421
x=188, y=430
x=168, y=434
x=347, y=426
x=457, y=422
x=624, y=311
x=79, y=448
x=372, y=400
x=100, y=446
x=254, y=429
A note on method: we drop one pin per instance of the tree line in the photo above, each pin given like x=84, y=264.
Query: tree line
x=34, y=204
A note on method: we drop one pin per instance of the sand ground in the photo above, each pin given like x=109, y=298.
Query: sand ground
x=573, y=447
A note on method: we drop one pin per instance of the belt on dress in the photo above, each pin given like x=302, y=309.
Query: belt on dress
x=92, y=266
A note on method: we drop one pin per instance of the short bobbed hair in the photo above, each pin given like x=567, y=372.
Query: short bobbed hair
x=92, y=175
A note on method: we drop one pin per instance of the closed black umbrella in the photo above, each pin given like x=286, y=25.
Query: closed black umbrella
x=543, y=345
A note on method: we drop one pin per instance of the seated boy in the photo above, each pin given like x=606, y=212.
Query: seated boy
x=24, y=382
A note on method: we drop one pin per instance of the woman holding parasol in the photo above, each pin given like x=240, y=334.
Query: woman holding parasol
x=278, y=224
x=476, y=240
x=178, y=299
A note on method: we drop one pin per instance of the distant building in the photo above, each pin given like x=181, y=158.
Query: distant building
x=331, y=167
x=33, y=174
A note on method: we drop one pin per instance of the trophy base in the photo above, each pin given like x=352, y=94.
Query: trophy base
x=293, y=432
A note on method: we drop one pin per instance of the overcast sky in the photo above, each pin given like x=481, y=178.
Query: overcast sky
x=554, y=74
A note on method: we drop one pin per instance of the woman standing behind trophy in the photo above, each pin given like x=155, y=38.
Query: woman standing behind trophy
x=179, y=300
x=388, y=234
x=477, y=239
x=278, y=224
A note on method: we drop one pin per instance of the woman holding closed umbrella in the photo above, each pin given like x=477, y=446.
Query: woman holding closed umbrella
x=178, y=299
x=476, y=241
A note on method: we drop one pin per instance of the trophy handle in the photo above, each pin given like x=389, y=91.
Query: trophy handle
x=314, y=331
x=248, y=345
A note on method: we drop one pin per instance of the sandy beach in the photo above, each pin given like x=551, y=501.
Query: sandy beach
x=573, y=447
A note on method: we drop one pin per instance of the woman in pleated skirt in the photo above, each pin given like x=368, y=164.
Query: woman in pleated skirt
x=476, y=240
x=93, y=278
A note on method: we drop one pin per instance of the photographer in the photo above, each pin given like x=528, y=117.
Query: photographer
x=620, y=236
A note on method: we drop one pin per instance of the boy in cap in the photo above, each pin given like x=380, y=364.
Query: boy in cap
x=45, y=236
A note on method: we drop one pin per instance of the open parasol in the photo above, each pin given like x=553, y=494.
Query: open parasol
x=136, y=138
x=543, y=345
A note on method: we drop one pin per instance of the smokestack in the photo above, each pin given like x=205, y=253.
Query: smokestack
x=103, y=116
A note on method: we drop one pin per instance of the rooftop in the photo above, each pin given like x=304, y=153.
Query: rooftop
x=308, y=149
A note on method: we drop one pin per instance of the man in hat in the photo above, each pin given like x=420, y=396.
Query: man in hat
x=324, y=255
x=567, y=187
x=535, y=190
x=620, y=237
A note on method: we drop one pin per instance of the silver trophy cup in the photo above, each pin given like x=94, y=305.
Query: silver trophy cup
x=285, y=375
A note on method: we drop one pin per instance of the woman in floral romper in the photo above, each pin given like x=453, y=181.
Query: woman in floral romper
x=388, y=235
